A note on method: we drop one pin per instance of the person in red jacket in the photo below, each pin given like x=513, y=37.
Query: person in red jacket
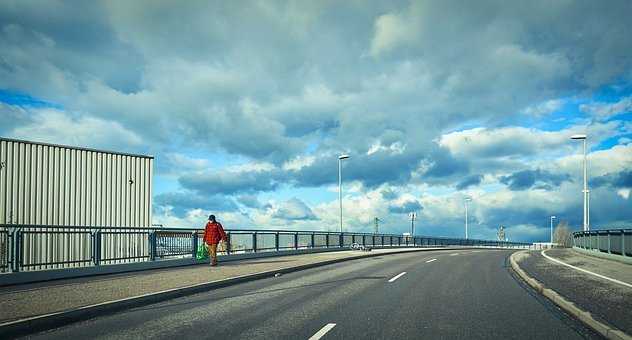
x=213, y=234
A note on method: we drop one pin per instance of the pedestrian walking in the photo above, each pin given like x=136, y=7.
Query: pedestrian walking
x=213, y=234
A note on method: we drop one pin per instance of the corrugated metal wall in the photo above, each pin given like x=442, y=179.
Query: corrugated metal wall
x=44, y=184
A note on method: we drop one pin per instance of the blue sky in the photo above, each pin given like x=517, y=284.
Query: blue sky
x=248, y=105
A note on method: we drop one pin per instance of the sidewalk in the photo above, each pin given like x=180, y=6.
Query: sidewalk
x=607, y=301
x=29, y=300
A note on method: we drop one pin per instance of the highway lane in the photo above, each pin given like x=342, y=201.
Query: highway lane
x=443, y=294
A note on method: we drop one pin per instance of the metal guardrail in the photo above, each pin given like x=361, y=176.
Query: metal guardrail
x=611, y=241
x=31, y=247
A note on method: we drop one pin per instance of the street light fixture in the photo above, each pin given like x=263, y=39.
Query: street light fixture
x=585, y=191
x=552, y=218
x=466, y=199
x=340, y=158
x=413, y=217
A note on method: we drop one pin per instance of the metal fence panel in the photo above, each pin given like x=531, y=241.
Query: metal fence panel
x=4, y=250
x=120, y=247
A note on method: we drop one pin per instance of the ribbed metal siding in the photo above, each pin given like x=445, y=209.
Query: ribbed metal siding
x=42, y=184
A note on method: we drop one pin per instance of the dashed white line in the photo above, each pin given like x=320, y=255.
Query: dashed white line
x=586, y=271
x=323, y=331
x=455, y=254
x=431, y=260
x=397, y=276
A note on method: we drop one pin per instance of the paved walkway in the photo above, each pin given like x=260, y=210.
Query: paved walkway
x=607, y=301
x=28, y=300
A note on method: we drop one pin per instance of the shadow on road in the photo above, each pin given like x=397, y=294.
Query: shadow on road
x=214, y=299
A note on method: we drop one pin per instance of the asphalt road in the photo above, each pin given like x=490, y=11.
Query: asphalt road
x=443, y=295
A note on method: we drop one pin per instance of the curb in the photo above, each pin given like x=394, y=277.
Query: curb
x=54, y=320
x=605, y=330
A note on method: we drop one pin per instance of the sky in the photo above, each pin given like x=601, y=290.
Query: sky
x=246, y=105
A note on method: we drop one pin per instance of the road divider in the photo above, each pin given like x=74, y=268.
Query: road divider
x=323, y=331
x=397, y=276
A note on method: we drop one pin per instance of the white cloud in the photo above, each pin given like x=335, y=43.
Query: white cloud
x=298, y=163
x=606, y=110
x=544, y=108
x=391, y=30
x=55, y=126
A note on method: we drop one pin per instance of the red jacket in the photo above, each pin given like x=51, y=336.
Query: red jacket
x=213, y=233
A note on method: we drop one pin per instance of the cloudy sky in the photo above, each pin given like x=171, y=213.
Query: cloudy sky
x=247, y=104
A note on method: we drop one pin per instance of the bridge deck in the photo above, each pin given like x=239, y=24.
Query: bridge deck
x=28, y=300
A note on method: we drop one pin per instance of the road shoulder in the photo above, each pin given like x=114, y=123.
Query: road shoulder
x=602, y=305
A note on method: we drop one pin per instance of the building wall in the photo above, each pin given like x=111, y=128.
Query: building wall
x=45, y=184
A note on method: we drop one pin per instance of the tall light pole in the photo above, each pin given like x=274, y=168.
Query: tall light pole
x=552, y=218
x=340, y=158
x=413, y=217
x=585, y=191
x=467, y=199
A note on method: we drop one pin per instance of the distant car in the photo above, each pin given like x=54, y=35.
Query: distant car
x=357, y=246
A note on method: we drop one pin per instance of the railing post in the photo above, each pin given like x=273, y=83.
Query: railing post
x=296, y=240
x=13, y=252
x=313, y=241
x=228, y=243
x=609, y=250
x=276, y=241
x=623, y=242
x=254, y=242
x=364, y=240
x=194, y=242
x=341, y=240
x=18, y=251
x=153, y=246
x=96, y=247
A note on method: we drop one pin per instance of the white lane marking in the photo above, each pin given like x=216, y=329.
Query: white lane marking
x=586, y=271
x=323, y=331
x=455, y=254
x=431, y=260
x=397, y=276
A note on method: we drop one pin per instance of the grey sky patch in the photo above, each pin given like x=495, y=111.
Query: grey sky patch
x=469, y=181
x=622, y=179
x=526, y=179
x=294, y=210
x=405, y=207
x=228, y=183
x=181, y=202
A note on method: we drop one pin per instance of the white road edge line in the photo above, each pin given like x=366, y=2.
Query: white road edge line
x=323, y=331
x=431, y=260
x=586, y=271
x=397, y=276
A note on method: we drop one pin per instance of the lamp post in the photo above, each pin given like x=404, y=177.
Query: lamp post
x=413, y=217
x=467, y=199
x=552, y=218
x=340, y=158
x=585, y=191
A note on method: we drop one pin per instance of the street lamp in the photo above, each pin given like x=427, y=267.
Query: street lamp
x=340, y=158
x=413, y=217
x=467, y=199
x=552, y=218
x=585, y=191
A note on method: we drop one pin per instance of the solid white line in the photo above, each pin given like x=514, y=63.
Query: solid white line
x=586, y=271
x=431, y=260
x=323, y=331
x=397, y=276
